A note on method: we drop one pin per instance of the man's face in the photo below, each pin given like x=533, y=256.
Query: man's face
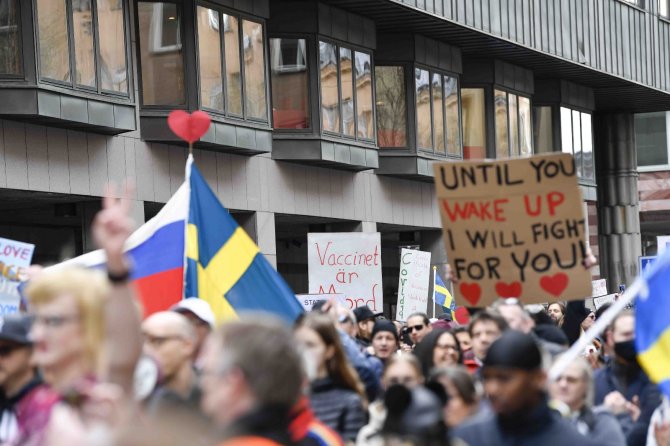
x=510, y=390
x=57, y=333
x=14, y=362
x=418, y=329
x=464, y=340
x=384, y=344
x=365, y=328
x=484, y=333
x=570, y=387
x=217, y=393
x=165, y=342
x=515, y=317
x=623, y=330
x=202, y=328
x=555, y=312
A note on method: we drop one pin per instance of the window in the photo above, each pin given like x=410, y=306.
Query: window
x=651, y=139
x=543, y=129
x=290, y=83
x=512, y=124
x=437, y=113
x=577, y=140
x=10, y=47
x=474, y=123
x=391, y=107
x=345, y=80
x=241, y=50
x=161, y=58
x=82, y=44
x=664, y=8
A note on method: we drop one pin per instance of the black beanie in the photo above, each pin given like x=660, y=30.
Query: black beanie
x=385, y=325
x=514, y=350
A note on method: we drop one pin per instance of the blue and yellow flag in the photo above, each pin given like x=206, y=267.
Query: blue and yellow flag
x=223, y=264
x=652, y=322
x=442, y=296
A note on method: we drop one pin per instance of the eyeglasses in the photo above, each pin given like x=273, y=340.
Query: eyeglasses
x=446, y=346
x=55, y=321
x=415, y=328
x=6, y=350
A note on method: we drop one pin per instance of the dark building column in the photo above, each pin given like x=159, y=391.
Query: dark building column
x=431, y=241
x=618, y=200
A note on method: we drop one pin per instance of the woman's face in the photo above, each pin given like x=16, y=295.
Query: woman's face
x=384, y=344
x=315, y=352
x=445, y=352
x=555, y=312
x=401, y=373
x=457, y=410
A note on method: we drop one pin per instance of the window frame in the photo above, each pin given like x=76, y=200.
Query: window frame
x=580, y=110
x=72, y=85
x=241, y=17
x=665, y=16
x=20, y=23
x=311, y=80
x=354, y=49
x=659, y=167
x=518, y=95
x=443, y=74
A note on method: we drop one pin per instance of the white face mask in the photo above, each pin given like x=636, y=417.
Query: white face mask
x=311, y=364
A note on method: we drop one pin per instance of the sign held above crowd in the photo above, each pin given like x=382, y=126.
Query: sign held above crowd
x=514, y=228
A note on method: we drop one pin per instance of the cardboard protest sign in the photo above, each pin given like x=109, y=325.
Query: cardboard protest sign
x=514, y=228
x=15, y=258
x=413, y=283
x=309, y=300
x=346, y=263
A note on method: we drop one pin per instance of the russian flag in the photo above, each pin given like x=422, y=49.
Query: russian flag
x=157, y=253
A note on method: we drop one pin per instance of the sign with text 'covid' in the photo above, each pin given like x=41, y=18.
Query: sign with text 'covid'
x=514, y=228
x=347, y=263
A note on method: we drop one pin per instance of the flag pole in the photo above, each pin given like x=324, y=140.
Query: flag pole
x=434, y=281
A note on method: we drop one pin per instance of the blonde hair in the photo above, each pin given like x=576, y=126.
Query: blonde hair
x=90, y=289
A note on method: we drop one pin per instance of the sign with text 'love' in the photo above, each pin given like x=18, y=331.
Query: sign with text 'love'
x=514, y=228
x=413, y=283
x=346, y=263
x=15, y=259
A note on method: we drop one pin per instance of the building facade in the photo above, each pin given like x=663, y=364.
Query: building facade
x=327, y=115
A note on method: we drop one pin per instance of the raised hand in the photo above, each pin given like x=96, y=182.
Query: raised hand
x=112, y=227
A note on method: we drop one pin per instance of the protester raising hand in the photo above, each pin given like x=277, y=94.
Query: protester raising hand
x=112, y=227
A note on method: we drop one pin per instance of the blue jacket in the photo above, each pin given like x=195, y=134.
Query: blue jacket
x=369, y=369
x=607, y=380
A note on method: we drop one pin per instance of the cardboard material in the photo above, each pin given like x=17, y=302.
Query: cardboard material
x=15, y=259
x=413, y=283
x=514, y=228
x=347, y=263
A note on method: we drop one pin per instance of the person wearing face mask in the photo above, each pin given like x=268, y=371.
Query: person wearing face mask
x=623, y=387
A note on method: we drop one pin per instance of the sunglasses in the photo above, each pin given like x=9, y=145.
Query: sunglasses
x=415, y=328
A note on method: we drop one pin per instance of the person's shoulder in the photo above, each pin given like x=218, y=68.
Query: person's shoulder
x=477, y=431
x=568, y=434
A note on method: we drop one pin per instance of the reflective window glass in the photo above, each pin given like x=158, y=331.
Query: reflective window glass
x=112, y=59
x=209, y=59
x=525, y=127
x=161, y=54
x=347, y=86
x=502, y=123
x=290, y=83
x=54, y=56
x=577, y=141
x=474, y=123
x=231, y=43
x=452, y=109
x=391, y=106
x=330, y=110
x=254, y=71
x=438, y=114
x=423, y=113
x=566, y=131
x=651, y=139
x=363, y=79
x=513, y=125
x=82, y=23
x=10, y=47
x=588, y=164
x=543, y=130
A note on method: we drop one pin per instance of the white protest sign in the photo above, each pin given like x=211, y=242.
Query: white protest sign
x=413, y=283
x=309, y=300
x=662, y=243
x=602, y=300
x=15, y=259
x=599, y=287
x=346, y=263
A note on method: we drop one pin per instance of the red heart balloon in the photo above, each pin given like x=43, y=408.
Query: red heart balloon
x=462, y=315
x=189, y=127
x=471, y=292
x=555, y=284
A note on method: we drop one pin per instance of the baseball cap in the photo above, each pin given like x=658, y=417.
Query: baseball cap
x=198, y=307
x=15, y=328
x=364, y=313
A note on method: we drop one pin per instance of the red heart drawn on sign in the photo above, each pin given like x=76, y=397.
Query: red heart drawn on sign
x=471, y=292
x=189, y=127
x=556, y=284
x=508, y=289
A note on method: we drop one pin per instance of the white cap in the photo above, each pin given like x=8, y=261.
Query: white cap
x=197, y=306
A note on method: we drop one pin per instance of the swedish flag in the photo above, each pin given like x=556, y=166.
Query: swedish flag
x=442, y=296
x=224, y=266
x=652, y=322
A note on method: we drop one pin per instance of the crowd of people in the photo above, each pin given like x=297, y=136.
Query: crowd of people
x=83, y=367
